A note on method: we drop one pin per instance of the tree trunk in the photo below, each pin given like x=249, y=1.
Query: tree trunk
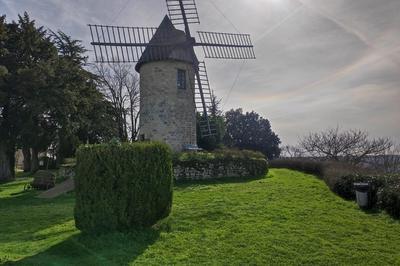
x=6, y=172
x=27, y=158
x=133, y=129
x=35, y=160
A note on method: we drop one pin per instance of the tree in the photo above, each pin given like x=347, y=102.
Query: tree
x=289, y=151
x=47, y=98
x=389, y=161
x=120, y=86
x=215, y=106
x=68, y=48
x=5, y=163
x=352, y=145
x=251, y=131
x=217, y=121
x=28, y=56
x=84, y=116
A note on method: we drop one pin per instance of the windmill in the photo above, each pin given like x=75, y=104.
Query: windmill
x=173, y=83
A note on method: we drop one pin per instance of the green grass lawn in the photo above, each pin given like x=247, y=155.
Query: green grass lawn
x=286, y=218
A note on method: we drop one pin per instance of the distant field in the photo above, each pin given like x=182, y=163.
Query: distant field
x=286, y=218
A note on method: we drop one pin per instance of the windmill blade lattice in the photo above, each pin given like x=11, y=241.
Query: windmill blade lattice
x=226, y=45
x=202, y=99
x=189, y=13
x=114, y=44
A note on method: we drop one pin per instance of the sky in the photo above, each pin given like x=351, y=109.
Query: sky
x=320, y=64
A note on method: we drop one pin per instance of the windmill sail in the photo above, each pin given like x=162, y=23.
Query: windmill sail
x=114, y=44
x=203, y=102
x=226, y=45
x=189, y=14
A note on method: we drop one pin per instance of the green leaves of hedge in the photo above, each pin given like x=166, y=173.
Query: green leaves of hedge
x=122, y=186
x=255, y=163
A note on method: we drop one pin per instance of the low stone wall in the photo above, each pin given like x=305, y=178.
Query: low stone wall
x=202, y=170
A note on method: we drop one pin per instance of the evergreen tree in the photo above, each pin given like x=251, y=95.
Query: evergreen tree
x=28, y=57
x=217, y=120
x=84, y=116
x=47, y=98
x=251, y=131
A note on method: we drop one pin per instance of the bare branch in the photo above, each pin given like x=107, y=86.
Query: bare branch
x=120, y=85
x=350, y=145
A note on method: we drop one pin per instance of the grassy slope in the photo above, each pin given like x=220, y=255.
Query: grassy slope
x=289, y=218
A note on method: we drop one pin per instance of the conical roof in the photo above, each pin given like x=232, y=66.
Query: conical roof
x=168, y=43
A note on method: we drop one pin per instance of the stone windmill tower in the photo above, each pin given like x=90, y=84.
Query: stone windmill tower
x=173, y=83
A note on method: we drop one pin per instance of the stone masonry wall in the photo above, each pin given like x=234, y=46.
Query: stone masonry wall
x=202, y=171
x=168, y=114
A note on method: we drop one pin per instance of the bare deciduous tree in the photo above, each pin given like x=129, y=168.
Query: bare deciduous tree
x=349, y=145
x=289, y=151
x=120, y=85
x=388, y=161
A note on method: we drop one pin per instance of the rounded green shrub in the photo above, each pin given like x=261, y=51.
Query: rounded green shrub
x=122, y=186
x=389, y=196
x=390, y=201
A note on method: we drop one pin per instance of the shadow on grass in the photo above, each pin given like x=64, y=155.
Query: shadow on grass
x=5, y=183
x=85, y=249
x=22, y=174
x=374, y=210
x=216, y=181
x=26, y=219
x=23, y=215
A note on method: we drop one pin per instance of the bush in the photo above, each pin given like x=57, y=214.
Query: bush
x=344, y=186
x=303, y=165
x=334, y=171
x=389, y=195
x=390, y=201
x=122, y=186
x=384, y=189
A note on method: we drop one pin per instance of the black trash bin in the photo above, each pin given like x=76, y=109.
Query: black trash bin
x=363, y=194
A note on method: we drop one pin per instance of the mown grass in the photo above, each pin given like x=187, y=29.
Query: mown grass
x=286, y=218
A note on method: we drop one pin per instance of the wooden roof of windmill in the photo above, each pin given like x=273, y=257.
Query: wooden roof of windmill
x=168, y=43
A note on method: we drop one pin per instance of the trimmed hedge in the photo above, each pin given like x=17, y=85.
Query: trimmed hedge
x=303, y=165
x=122, y=186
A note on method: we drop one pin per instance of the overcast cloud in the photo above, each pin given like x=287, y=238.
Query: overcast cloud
x=319, y=63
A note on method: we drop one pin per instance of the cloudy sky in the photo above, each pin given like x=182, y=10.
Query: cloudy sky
x=319, y=63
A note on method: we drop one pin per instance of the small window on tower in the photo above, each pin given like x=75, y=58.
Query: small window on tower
x=181, y=79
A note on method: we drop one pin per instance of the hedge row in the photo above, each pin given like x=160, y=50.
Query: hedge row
x=385, y=190
x=254, y=163
x=221, y=154
x=302, y=165
x=389, y=197
x=340, y=177
x=122, y=186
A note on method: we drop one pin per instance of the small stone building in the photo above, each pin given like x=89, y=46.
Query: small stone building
x=167, y=85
